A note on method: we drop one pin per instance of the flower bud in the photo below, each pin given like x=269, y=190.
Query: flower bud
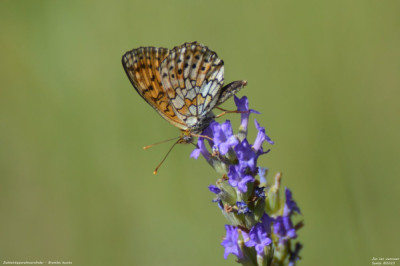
x=228, y=193
x=259, y=208
x=273, y=201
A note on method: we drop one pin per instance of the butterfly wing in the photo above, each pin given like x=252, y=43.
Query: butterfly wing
x=192, y=76
x=142, y=68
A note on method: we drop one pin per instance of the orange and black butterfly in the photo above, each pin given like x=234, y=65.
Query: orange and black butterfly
x=183, y=85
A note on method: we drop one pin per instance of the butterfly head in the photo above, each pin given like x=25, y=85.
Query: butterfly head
x=186, y=137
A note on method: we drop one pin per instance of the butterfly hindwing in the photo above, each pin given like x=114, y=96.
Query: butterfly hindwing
x=192, y=76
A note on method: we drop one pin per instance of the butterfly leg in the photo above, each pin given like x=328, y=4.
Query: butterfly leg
x=202, y=136
x=224, y=112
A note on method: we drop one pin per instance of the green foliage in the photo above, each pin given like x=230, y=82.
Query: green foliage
x=76, y=185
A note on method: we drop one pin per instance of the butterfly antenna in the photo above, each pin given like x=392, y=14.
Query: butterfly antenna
x=165, y=157
x=154, y=144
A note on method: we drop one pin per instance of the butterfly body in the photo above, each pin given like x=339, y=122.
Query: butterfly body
x=183, y=85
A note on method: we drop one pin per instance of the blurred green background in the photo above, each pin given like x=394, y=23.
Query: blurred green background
x=75, y=184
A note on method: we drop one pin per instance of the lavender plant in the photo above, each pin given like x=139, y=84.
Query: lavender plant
x=260, y=228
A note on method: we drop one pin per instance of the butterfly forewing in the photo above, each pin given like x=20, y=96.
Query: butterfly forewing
x=142, y=67
x=192, y=76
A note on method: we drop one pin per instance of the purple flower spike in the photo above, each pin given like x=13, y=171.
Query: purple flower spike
x=243, y=199
x=261, y=137
x=237, y=180
x=201, y=149
x=243, y=106
x=230, y=242
x=258, y=239
x=214, y=189
x=223, y=136
x=290, y=205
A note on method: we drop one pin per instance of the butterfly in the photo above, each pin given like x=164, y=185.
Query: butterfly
x=183, y=85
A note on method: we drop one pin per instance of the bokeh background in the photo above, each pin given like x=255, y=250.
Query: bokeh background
x=75, y=184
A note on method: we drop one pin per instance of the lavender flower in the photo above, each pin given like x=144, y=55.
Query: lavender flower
x=261, y=137
x=230, y=242
x=251, y=205
x=214, y=189
x=223, y=136
x=258, y=238
x=243, y=107
x=290, y=206
x=259, y=192
x=294, y=255
x=283, y=227
x=242, y=207
x=219, y=203
x=262, y=173
x=266, y=222
x=201, y=149
x=239, y=179
x=246, y=156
